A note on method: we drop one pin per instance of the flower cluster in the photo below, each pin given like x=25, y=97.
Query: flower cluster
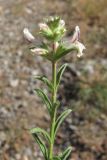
x=53, y=30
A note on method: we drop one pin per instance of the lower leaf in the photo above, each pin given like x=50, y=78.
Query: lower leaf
x=41, y=145
x=41, y=131
x=61, y=119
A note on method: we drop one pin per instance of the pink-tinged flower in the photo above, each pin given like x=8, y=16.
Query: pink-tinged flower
x=39, y=51
x=76, y=35
x=62, y=23
x=28, y=36
x=43, y=26
x=75, y=40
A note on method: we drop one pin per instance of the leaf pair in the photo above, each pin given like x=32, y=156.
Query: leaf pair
x=44, y=150
x=40, y=92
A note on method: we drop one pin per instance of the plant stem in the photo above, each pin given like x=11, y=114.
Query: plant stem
x=53, y=117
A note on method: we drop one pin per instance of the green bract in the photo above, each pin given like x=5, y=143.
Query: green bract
x=53, y=49
x=53, y=30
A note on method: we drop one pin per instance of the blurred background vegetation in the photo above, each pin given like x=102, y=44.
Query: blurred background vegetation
x=83, y=87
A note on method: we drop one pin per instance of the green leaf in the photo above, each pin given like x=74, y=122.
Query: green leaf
x=66, y=153
x=63, y=50
x=56, y=158
x=45, y=99
x=41, y=131
x=48, y=34
x=61, y=119
x=46, y=81
x=59, y=74
x=53, y=23
x=41, y=145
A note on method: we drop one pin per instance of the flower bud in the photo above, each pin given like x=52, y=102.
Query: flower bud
x=28, y=36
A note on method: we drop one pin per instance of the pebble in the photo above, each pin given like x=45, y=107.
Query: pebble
x=14, y=83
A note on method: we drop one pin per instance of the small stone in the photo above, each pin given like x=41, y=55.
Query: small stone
x=72, y=127
x=14, y=83
x=18, y=156
x=25, y=158
x=2, y=136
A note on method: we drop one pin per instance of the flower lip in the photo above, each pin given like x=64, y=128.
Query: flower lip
x=28, y=36
x=81, y=47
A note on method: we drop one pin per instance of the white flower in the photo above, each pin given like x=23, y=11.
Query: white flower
x=43, y=26
x=39, y=51
x=62, y=23
x=75, y=41
x=28, y=35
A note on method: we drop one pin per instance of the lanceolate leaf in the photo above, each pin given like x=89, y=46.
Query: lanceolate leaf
x=46, y=81
x=45, y=99
x=41, y=131
x=61, y=119
x=62, y=51
x=66, y=153
x=41, y=145
x=60, y=72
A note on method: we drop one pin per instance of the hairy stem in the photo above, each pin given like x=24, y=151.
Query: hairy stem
x=53, y=117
